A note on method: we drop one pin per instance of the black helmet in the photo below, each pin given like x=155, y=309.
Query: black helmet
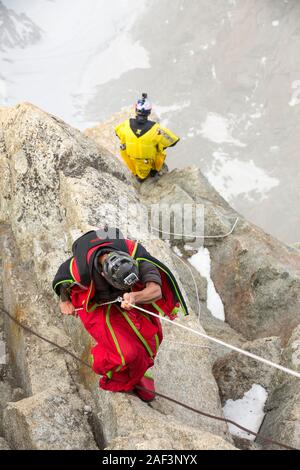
x=120, y=270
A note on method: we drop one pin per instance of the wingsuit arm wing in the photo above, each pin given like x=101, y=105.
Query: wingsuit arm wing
x=167, y=138
x=143, y=255
x=63, y=277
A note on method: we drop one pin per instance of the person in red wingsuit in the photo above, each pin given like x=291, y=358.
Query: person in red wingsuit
x=105, y=266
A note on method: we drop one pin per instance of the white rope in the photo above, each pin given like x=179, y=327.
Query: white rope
x=197, y=236
x=182, y=343
x=218, y=341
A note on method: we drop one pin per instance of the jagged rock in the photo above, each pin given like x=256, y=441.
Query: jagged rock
x=282, y=421
x=235, y=373
x=17, y=394
x=245, y=444
x=104, y=133
x=183, y=378
x=5, y=396
x=56, y=184
x=191, y=182
x=49, y=420
x=126, y=417
x=181, y=439
x=220, y=330
x=38, y=150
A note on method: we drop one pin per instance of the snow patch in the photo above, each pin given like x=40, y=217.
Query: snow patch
x=248, y=411
x=218, y=129
x=232, y=177
x=177, y=251
x=201, y=261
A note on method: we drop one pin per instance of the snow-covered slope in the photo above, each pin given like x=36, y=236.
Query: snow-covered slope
x=73, y=55
x=17, y=30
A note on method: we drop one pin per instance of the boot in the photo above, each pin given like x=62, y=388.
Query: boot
x=146, y=382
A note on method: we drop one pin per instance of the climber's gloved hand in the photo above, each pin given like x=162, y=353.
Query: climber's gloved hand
x=128, y=298
x=67, y=308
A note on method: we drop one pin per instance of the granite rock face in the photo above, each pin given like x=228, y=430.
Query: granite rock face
x=235, y=374
x=56, y=184
x=282, y=421
x=257, y=277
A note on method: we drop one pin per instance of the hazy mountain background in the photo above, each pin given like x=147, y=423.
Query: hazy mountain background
x=224, y=75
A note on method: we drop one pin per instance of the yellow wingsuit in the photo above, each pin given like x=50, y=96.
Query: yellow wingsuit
x=144, y=153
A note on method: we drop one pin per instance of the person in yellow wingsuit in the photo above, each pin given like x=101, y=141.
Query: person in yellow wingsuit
x=143, y=142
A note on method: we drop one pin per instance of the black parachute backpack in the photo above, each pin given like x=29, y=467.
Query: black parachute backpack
x=110, y=238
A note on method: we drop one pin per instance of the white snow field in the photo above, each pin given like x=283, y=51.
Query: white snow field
x=78, y=39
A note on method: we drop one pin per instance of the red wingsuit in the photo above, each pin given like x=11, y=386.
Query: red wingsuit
x=127, y=340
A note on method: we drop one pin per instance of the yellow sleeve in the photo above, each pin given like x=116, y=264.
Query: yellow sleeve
x=167, y=138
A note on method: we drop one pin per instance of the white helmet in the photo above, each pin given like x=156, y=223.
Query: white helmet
x=143, y=106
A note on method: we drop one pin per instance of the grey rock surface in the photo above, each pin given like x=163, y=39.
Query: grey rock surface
x=3, y=444
x=52, y=419
x=181, y=439
x=283, y=405
x=256, y=276
x=235, y=374
x=57, y=184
